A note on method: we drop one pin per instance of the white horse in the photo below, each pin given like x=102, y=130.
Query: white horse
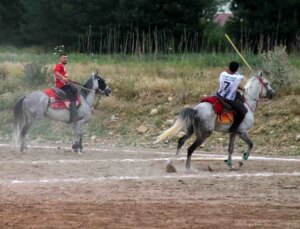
x=202, y=120
x=36, y=105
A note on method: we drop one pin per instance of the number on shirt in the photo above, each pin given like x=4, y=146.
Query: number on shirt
x=227, y=85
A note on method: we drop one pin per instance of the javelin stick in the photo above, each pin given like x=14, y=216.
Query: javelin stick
x=238, y=52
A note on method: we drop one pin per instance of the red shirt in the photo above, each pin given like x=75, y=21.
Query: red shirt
x=60, y=68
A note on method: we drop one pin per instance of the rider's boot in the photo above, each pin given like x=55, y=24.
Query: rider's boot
x=236, y=123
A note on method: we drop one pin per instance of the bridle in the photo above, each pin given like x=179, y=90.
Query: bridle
x=98, y=92
x=263, y=85
x=105, y=91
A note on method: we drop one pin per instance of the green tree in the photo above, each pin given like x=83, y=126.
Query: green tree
x=265, y=21
x=10, y=15
x=111, y=23
x=46, y=22
x=52, y=22
x=174, y=15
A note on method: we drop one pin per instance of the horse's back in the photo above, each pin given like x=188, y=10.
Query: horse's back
x=205, y=110
x=36, y=104
x=207, y=115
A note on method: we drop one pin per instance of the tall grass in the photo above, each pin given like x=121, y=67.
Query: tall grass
x=135, y=41
x=140, y=83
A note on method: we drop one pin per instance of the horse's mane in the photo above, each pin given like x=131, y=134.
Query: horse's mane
x=249, y=83
x=89, y=85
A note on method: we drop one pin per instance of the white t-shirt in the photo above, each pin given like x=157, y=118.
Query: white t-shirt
x=229, y=84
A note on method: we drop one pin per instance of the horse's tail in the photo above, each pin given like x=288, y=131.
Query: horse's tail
x=19, y=120
x=185, y=119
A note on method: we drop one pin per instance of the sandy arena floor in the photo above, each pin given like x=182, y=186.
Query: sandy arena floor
x=129, y=188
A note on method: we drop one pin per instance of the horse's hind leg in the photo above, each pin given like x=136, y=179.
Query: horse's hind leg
x=182, y=140
x=202, y=130
x=190, y=150
x=23, y=135
x=77, y=146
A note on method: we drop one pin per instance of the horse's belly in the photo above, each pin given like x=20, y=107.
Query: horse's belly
x=62, y=115
x=222, y=127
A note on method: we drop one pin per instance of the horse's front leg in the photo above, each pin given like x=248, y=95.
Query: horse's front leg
x=230, y=150
x=244, y=136
x=77, y=146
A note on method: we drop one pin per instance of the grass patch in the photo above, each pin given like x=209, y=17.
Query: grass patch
x=142, y=83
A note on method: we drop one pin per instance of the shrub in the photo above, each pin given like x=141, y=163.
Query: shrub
x=279, y=70
x=3, y=73
x=35, y=73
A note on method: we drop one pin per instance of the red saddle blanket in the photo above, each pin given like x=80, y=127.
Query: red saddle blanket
x=223, y=117
x=217, y=105
x=57, y=103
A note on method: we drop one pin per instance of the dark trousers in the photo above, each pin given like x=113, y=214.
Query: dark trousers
x=241, y=112
x=70, y=91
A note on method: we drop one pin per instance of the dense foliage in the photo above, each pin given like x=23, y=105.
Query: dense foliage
x=261, y=24
x=147, y=26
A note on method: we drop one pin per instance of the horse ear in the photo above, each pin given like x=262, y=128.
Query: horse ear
x=261, y=73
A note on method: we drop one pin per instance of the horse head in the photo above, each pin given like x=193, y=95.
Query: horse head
x=101, y=87
x=266, y=89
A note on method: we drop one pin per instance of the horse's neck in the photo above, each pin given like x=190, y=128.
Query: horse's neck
x=90, y=98
x=252, y=94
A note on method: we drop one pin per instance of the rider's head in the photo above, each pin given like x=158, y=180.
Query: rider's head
x=63, y=58
x=233, y=66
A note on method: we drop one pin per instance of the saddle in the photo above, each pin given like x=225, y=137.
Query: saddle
x=225, y=113
x=58, y=98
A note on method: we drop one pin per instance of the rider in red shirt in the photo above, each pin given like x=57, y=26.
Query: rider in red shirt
x=61, y=81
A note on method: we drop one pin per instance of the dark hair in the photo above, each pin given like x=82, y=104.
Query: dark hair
x=233, y=66
x=63, y=54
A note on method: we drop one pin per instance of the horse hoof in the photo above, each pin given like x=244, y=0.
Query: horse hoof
x=245, y=156
x=232, y=168
x=76, y=148
x=191, y=170
x=241, y=164
x=229, y=164
x=210, y=168
x=170, y=168
x=23, y=148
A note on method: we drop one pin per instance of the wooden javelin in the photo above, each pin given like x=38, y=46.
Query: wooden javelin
x=238, y=51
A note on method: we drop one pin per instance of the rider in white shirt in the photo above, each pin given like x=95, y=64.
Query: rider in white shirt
x=229, y=83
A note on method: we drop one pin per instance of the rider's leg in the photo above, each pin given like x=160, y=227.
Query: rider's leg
x=71, y=92
x=241, y=112
x=73, y=108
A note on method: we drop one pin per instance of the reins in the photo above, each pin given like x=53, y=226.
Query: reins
x=87, y=89
x=81, y=86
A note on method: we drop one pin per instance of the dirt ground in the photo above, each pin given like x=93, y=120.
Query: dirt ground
x=130, y=188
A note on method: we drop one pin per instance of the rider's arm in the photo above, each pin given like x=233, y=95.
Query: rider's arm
x=240, y=87
x=60, y=76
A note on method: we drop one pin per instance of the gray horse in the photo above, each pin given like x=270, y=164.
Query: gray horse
x=35, y=106
x=201, y=120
